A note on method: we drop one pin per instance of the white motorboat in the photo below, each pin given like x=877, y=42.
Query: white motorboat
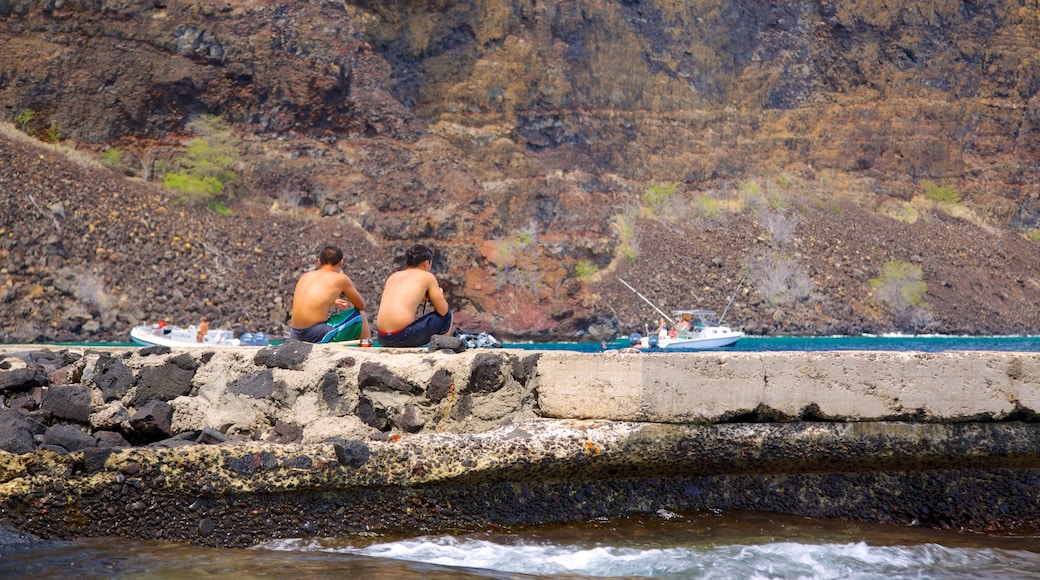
x=179, y=336
x=694, y=330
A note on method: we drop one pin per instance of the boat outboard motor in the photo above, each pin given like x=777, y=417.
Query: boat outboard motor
x=652, y=340
x=634, y=339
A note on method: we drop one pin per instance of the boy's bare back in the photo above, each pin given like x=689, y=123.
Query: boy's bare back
x=404, y=291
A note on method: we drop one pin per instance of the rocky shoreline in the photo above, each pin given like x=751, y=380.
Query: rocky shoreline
x=231, y=447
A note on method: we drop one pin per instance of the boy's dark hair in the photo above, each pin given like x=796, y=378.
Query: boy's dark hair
x=330, y=256
x=416, y=255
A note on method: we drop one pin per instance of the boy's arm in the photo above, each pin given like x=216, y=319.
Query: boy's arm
x=352, y=294
x=436, y=296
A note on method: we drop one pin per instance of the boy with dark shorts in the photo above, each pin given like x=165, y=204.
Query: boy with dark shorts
x=403, y=293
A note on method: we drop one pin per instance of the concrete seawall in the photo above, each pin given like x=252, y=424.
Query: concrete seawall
x=231, y=447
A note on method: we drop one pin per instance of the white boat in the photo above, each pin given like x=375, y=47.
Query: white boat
x=705, y=331
x=179, y=336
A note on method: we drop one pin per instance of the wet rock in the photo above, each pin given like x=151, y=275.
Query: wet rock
x=113, y=377
x=166, y=382
x=376, y=376
x=410, y=420
x=440, y=385
x=289, y=355
x=486, y=373
x=441, y=342
x=258, y=385
x=152, y=421
x=22, y=379
x=285, y=433
x=94, y=458
x=68, y=437
x=70, y=402
x=352, y=453
x=111, y=439
x=372, y=414
x=330, y=393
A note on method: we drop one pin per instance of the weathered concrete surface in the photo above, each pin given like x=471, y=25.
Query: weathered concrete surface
x=305, y=440
x=970, y=476
x=837, y=386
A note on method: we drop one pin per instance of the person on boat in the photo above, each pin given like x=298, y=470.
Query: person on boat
x=202, y=330
x=404, y=292
x=682, y=327
x=662, y=329
x=317, y=292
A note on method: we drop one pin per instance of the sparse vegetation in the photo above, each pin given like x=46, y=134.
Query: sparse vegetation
x=626, y=248
x=206, y=167
x=780, y=226
x=657, y=197
x=585, y=270
x=901, y=287
x=54, y=133
x=708, y=208
x=779, y=278
x=112, y=158
x=23, y=119
x=940, y=193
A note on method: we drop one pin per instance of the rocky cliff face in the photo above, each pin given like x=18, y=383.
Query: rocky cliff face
x=544, y=149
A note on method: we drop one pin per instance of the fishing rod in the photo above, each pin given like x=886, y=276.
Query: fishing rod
x=731, y=299
x=647, y=300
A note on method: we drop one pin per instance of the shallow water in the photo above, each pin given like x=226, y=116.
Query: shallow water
x=665, y=545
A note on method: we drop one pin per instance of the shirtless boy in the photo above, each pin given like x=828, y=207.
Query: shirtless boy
x=317, y=292
x=404, y=291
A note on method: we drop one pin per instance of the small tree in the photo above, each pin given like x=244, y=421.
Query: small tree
x=206, y=167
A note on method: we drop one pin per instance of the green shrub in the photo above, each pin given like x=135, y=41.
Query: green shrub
x=585, y=270
x=944, y=193
x=626, y=239
x=54, y=133
x=206, y=167
x=525, y=237
x=112, y=158
x=24, y=118
x=901, y=287
x=658, y=196
x=707, y=207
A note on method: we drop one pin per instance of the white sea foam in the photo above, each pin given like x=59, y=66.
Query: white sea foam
x=767, y=560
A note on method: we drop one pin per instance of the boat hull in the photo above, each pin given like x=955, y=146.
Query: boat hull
x=176, y=336
x=700, y=343
x=713, y=337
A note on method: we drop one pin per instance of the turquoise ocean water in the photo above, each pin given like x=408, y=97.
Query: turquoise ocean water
x=662, y=545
